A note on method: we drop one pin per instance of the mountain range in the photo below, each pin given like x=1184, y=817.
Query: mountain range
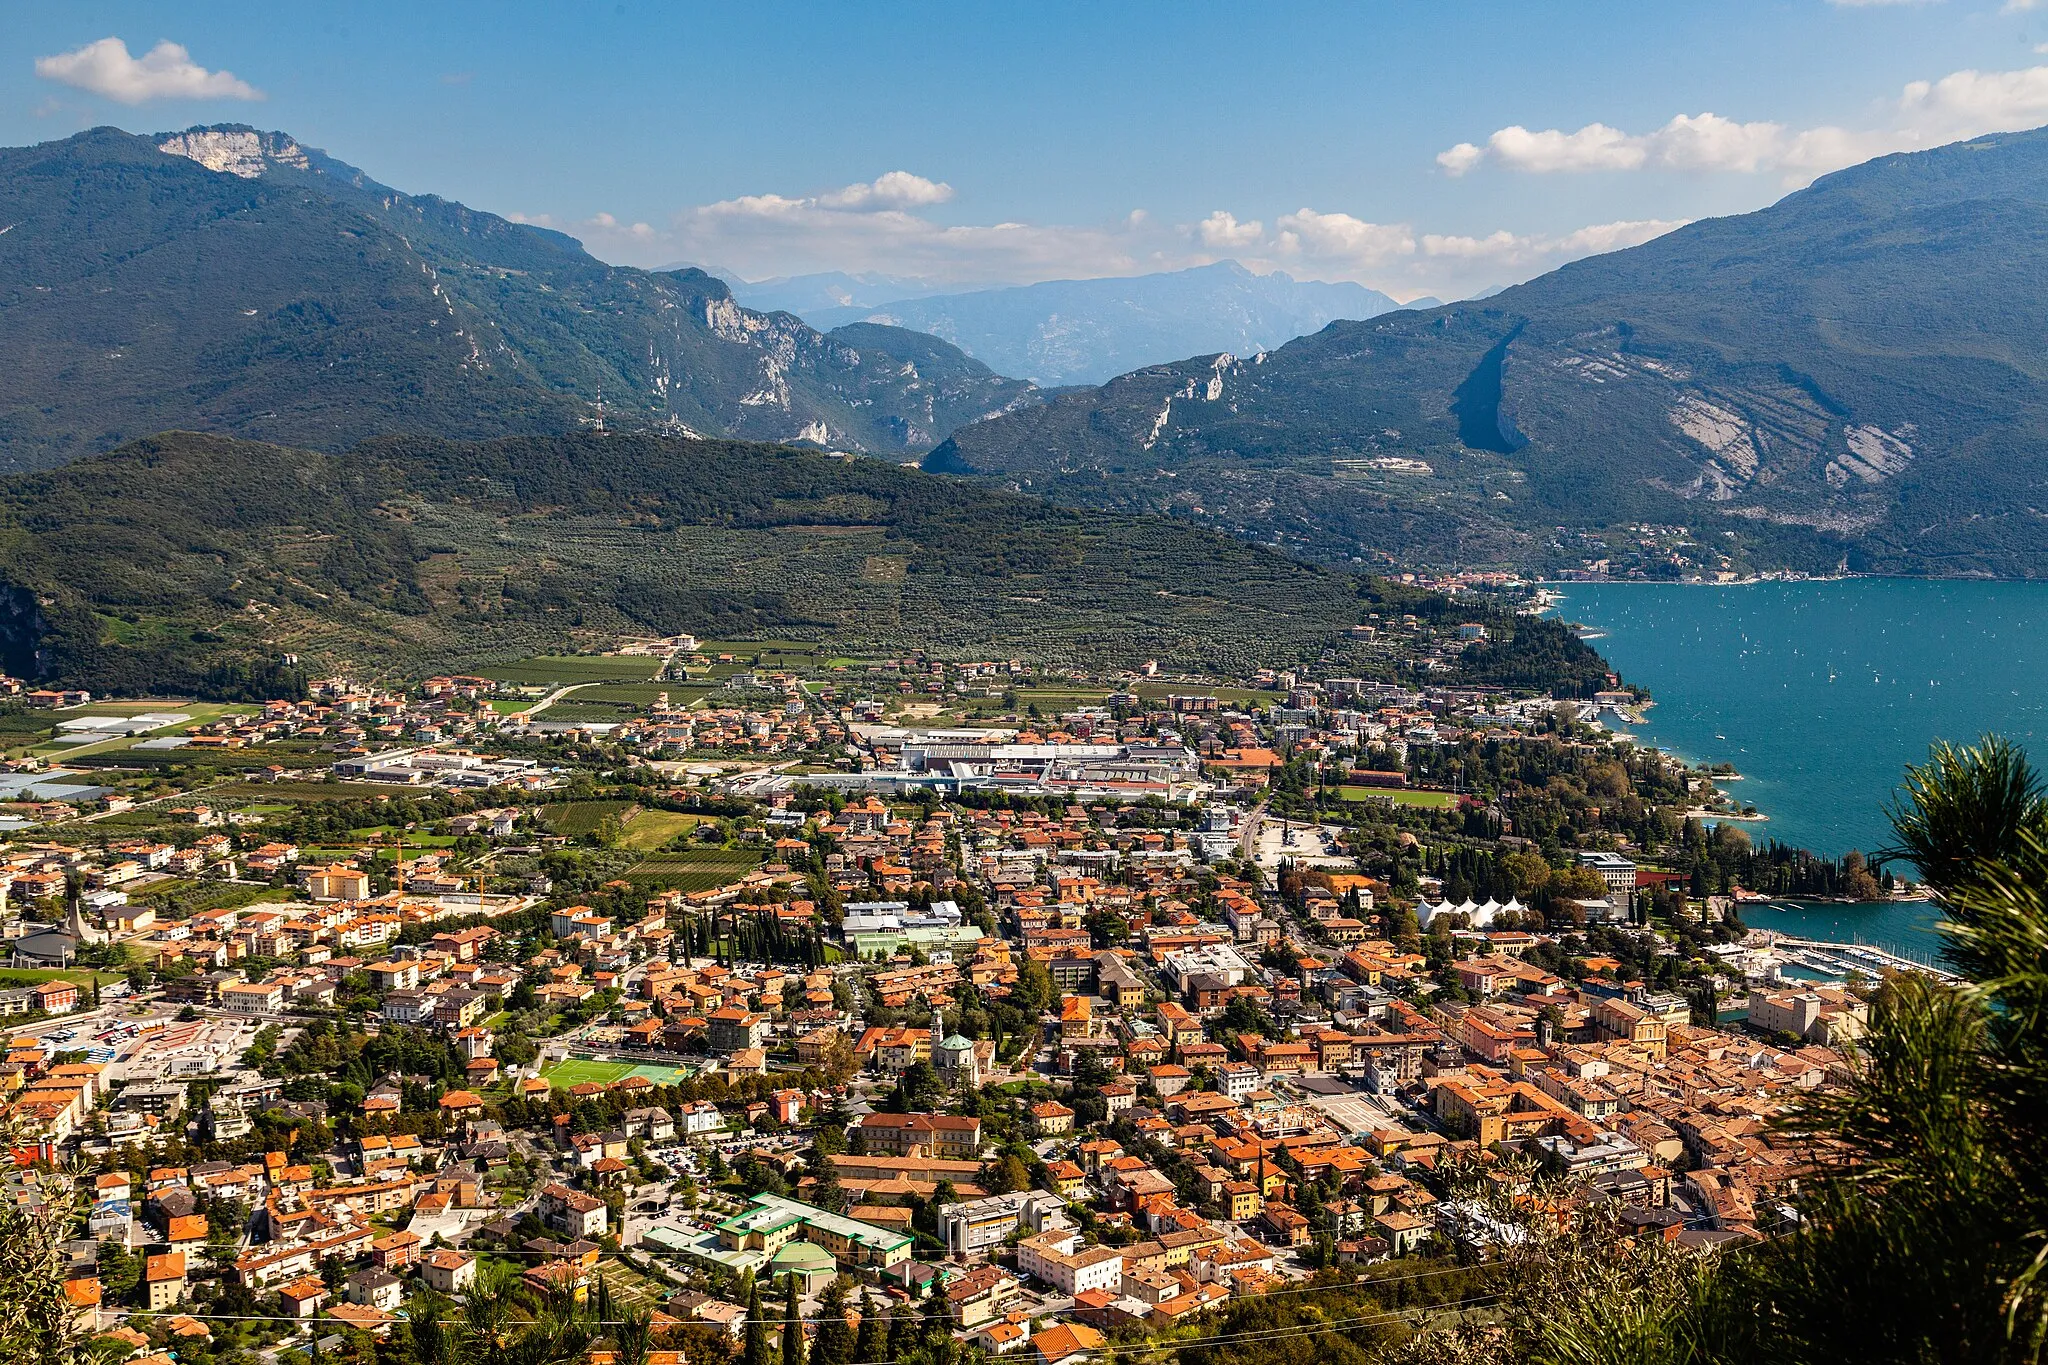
x=230, y=280
x=1063, y=332
x=805, y=295
x=1852, y=377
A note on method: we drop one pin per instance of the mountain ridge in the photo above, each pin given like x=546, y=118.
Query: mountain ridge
x=229, y=279
x=1848, y=378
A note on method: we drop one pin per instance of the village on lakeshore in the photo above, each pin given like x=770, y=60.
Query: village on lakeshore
x=1033, y=1009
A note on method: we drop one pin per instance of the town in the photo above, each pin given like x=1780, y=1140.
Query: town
x=746, y=1002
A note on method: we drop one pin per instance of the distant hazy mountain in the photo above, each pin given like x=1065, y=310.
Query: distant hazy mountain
x=1854, y=375
x=808, y=294
x=1086, y=331
x=234, y=281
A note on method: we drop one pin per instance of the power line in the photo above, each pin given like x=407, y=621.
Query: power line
x=1260, y=1334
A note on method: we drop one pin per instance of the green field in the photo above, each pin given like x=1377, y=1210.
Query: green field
x=295, y=792
x=1424, y=800
x=561, y=669
x=35, y=976
x=576, y=818
x=562, y=1075
x=651, y=829
x=694, y=870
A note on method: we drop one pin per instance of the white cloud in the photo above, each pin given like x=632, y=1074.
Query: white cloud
x=1966, y=103
x=1595, y=147
x=894, y=190
x=767, y=235
x=1963, y=104
x=1341, y=238
x=598, y=224
x=166, y=71
x=1222, y=230
x=1508, y=249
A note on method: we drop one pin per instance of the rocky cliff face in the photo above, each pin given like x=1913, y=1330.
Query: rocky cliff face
x=233, y=280
x=1848, y=377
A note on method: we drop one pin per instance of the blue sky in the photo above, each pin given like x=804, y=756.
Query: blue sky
x=1419, y=148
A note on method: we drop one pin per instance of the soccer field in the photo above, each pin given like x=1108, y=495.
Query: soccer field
x=562, y=1075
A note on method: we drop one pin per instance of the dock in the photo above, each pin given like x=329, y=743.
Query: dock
x=1840, y=959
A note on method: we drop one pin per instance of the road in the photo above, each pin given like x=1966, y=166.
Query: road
x=551, y=698
x=1247, y=842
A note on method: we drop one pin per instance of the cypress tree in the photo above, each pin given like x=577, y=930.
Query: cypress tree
x=792, y=1325
x=755, y=1351
x=901, y=1334
x=835, y=1344
x=869, y=1345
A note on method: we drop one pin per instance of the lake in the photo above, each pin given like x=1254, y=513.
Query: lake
x=1820, y=694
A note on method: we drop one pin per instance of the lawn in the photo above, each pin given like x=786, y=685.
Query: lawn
x=650, y=829
x=1399, y=797
x=576, y=1071
x=35, y=976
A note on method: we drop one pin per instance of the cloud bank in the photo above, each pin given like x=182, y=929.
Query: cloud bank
x=165, y=72
x=1963, y=104
x=885, y=226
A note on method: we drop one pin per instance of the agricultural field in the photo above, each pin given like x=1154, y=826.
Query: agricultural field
x=196, y=712
x=578, y=818
x=694, y=870
x=576, y=1071
x=560, y=670
x=289, y=793
x=651, y=829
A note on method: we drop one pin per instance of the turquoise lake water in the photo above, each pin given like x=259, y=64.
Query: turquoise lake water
x=1821, y=693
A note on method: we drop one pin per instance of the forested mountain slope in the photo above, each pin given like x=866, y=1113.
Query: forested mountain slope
x=178, y=561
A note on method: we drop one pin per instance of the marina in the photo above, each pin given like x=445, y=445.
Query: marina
x=1839, y=961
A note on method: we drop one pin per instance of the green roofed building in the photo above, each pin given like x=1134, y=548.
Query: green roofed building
x=771, y=1232
x=772, y=1222
x=812, y=1265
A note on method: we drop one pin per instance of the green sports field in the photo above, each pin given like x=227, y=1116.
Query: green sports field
x=562, y=1075
x=1400, y=797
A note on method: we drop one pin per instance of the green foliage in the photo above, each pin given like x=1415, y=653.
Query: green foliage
x=514, y=547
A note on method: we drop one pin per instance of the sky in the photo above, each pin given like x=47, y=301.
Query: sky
x=1438, y=148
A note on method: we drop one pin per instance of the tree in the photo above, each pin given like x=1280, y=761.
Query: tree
x=36, y=1323
x=792, y=1325
x=827, y=1192
x=1005, y=1174
x=1034, y=989
x=869, y=1344
x=755, y=1351
x=1243, y=1015
x=835, y=1344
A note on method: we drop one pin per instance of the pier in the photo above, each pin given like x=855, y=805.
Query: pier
x=1840, y=959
